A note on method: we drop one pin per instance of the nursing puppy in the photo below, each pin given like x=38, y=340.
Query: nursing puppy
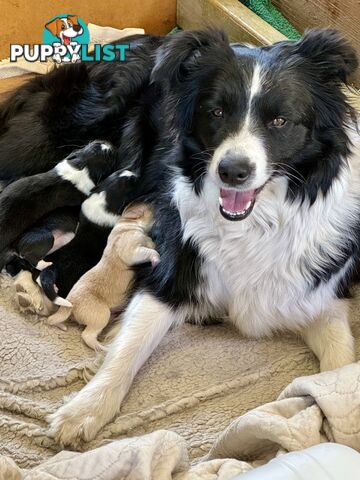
x=106, y=285
x=256, y=177
x=48, y=235
x=25, y=201
x=99, y=214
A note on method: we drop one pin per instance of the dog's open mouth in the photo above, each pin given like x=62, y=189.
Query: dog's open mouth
x=66, y=40
x=236, y=205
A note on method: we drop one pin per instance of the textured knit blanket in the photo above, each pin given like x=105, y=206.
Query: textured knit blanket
x=198, y=381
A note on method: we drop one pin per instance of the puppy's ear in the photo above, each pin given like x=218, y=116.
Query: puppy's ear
x=331, y=54
x=73, y=19
x=180, y=52
x=134, y=212
x=54, y=27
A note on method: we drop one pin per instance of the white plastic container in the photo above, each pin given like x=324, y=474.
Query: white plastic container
x=327, y=461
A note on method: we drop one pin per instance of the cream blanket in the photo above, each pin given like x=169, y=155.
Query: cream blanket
x=196, y=383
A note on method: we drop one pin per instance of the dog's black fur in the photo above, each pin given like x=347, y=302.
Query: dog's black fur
x=157, y=108
x=51, y=115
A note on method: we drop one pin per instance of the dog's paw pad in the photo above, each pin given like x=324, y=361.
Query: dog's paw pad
x=24, y=300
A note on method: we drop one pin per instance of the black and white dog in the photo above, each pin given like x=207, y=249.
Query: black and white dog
x=252, y=158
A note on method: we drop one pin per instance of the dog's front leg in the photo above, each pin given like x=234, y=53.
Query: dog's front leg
x=145, y=322
x=329, y=337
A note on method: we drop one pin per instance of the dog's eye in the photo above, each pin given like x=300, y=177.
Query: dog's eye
x=62, y=27
x=218, y=112
x=70, y=25
x=278, y=122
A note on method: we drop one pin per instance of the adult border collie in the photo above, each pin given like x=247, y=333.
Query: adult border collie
x=252, y=157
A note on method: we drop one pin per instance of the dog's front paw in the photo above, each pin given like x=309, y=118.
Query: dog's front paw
x=71, y=427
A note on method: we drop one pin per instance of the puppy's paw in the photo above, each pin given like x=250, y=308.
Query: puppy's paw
x=71, y=427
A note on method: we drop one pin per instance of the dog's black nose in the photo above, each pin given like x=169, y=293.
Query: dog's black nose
x=235, y=170
x=77, y=28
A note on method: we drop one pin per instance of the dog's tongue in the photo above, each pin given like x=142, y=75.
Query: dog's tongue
x=66, y=40
x=235, y=201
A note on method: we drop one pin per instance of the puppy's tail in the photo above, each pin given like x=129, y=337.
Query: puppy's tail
x=47, y=281
x=60, y=316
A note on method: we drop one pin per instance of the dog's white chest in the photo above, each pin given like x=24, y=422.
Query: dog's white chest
x=259, y=270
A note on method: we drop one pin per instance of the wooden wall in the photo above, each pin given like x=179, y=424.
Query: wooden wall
x=341, y=14
x=22, y=21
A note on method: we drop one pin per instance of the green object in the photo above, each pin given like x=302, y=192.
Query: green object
x=266, y=10
x=174, y=30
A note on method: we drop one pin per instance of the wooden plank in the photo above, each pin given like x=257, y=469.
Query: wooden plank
x=22, y=21
x=240, y=23
x=343, y=15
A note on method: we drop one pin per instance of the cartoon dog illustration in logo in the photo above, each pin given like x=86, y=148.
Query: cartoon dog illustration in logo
x=66, y=29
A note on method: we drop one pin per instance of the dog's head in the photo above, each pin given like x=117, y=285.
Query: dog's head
x=247, y=114
x=66, y=28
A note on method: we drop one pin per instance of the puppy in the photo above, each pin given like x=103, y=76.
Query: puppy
x=48, y=235
x=105, y=286
x=99, y=214
x=25, y=201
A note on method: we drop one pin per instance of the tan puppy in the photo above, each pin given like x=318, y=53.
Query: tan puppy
x=105, y=285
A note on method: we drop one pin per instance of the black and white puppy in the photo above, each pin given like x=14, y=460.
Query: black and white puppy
x=256, y=180
x=26, y=201
x=99, y=214
x=48, y=235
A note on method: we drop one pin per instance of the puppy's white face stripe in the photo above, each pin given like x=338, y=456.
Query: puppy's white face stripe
x=94, y=208
x=79, y=178
x=246, y=142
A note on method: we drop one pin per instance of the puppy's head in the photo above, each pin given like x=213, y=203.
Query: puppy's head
x=141, y=214
x=132, y=246
x=247, y=115
x=100, y=159
x=65, y=28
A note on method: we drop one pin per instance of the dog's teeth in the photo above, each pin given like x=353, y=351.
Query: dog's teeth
x=221, y=201
x=248, y=205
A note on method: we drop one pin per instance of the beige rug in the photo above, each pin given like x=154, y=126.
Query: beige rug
x=196, y=383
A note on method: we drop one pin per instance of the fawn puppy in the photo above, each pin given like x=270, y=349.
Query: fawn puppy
x=105, y=286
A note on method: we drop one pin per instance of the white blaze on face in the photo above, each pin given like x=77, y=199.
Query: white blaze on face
x=246, y=142
x=79, y=178
x=95, y=209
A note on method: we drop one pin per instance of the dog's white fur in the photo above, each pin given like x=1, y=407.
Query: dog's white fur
x=252, y=272
x=79, y=178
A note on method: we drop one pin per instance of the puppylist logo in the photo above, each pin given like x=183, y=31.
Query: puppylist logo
x=66, y=39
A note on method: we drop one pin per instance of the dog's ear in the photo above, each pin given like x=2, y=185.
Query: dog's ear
x=331, y=54
x=73, y=19
x=181, y=51
x=54, y=27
